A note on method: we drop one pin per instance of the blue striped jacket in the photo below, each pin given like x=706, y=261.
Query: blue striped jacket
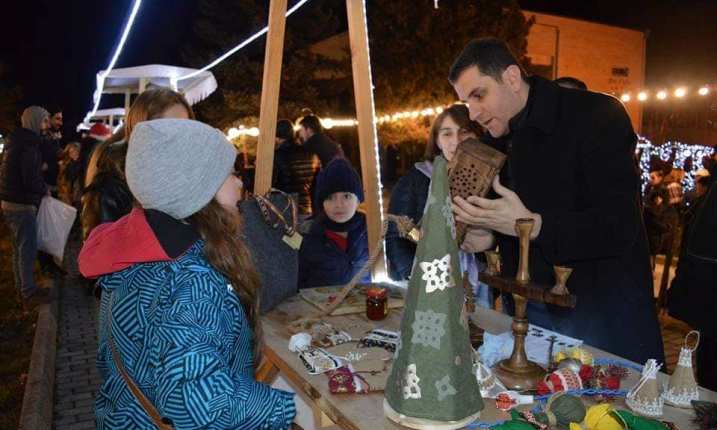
x=184, y=338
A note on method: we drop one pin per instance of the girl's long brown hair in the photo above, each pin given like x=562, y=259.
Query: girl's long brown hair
x=227, y=253
x=151, y=104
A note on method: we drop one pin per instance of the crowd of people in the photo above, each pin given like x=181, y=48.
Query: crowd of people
x=158, y=204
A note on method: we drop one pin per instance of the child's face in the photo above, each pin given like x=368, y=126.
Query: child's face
x=341, y=207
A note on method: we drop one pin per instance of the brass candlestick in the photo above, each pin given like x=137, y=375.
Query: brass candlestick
x=561, y=279
x=524, y=226
x=517, y=372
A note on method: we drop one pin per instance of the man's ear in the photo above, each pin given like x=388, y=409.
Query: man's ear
x=512, y=77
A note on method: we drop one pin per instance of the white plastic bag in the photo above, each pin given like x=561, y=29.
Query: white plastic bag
x=54, y=221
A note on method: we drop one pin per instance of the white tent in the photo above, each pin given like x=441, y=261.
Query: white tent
x=134, y=80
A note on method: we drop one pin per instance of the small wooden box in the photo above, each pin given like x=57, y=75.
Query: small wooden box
x=471, y=173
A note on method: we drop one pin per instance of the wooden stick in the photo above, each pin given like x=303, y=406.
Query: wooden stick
x=530, y=290
x=270, y=96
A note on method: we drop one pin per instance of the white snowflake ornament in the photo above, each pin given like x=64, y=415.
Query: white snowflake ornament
x=411, y=389
x=437, y=274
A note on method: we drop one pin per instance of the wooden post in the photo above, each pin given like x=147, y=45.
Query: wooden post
x=127, y=101
x=270, y=96
x=142, y=84
x=368, y=145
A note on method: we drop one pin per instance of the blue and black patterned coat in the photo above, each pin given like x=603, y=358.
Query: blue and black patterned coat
x=184, y=338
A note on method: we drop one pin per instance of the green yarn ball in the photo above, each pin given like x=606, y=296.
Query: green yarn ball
x=566, y=408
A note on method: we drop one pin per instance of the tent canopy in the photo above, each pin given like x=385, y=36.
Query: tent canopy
x=134, y=80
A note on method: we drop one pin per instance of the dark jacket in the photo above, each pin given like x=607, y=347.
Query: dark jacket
x=106, y=199
x=324, y=147
x=693, y=295
x=294, y=171
x=571, y=160
x=657, y=205
x=21, y=172
x=408, y=197
x=322, y=263
x=50, y=150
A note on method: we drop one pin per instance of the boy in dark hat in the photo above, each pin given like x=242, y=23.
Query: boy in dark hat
x=336, y=245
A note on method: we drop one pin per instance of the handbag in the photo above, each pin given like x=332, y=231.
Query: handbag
x=269, y=231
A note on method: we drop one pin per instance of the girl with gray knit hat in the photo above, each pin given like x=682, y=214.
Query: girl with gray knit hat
x=179, y=305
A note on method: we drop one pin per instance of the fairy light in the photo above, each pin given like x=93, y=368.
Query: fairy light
x=241, y=45
x=703, y=91
x=642, y=96
x=625, y=97
x=677, y=151
x=662, y=95
x=680, y=92
x=118, y=50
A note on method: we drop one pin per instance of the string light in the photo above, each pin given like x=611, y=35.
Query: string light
x=677, y=151
x=680, y=92
x=625, y=97
x=235, y=49
x=662, y=94
x=703, y=91
x=642, y=96
x=118, y=50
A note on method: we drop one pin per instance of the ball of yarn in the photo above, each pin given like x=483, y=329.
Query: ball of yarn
x=563, y=409
x=598, y=417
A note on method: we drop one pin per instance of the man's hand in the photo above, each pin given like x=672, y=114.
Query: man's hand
x=477, y=240
x=497, y=215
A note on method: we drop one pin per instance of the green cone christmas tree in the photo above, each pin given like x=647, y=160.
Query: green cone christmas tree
x=432, y=384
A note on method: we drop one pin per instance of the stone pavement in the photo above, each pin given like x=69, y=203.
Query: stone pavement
x=76, y=377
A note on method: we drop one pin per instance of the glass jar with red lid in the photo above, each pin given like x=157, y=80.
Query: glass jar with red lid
x=376, y=303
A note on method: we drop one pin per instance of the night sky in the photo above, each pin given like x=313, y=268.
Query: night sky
x=54, y=49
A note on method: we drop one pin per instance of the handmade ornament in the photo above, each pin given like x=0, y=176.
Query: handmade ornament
x=645, y=397
x=318, y=361
x=598, y=417
x=561, y=410
x=705, y=414
x=517, y=422
x=508, y=400
x=344, y=380
x=385, y=339
x=299, y=342
x=607, y=377
x=634, y=422
x=579, y=354
x=432, y=384
x=682, y=388
x=488, y=383
x=560, y=380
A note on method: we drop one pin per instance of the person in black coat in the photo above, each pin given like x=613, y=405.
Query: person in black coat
x=693, y=295
x=294, y=167
x=335, y=247
x=317, y=142
x=570, y=168
x=21, y=190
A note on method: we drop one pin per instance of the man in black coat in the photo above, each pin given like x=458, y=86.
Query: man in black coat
x=317, y=142
x=570, y=168
x=21, y=190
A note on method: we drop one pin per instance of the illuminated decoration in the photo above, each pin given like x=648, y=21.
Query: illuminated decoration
x=642, y=96
x=703, y=91
x=625, y=97
x=678, y=152
x=680, y=92
x=662, y=94
x=235, y=49
x=118, y=50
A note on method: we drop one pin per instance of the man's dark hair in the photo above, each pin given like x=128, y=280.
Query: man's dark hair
x=312, y=122
x=53, y=109
x=492, y=56
x=284, y=129
x=570, y=82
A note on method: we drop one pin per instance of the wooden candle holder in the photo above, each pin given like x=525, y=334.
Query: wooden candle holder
x=561, y=279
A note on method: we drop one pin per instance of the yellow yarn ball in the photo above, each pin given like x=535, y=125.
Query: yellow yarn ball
x=598, y=417
x=582, y=355
x=575, y=426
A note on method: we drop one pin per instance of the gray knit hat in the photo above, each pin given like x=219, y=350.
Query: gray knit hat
x=176, y=166
x=32, y=118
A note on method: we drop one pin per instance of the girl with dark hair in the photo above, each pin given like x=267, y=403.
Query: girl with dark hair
x=408, y=197
x=179, y=313
x=69, y=189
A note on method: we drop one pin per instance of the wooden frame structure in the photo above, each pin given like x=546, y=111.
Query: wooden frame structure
x=365, y=112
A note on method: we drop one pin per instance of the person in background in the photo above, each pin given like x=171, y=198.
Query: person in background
x=21, y=190
x=179, y=287
x=335, y=247
x=408, y=197
x=51, y=149
x=295, y=168
x=311, y=133
x=98, y=133
x=56, y=123
x=656, y=206
x=570, y=82
x=68, y=180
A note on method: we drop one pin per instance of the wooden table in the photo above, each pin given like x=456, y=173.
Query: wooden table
x=354, y=411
